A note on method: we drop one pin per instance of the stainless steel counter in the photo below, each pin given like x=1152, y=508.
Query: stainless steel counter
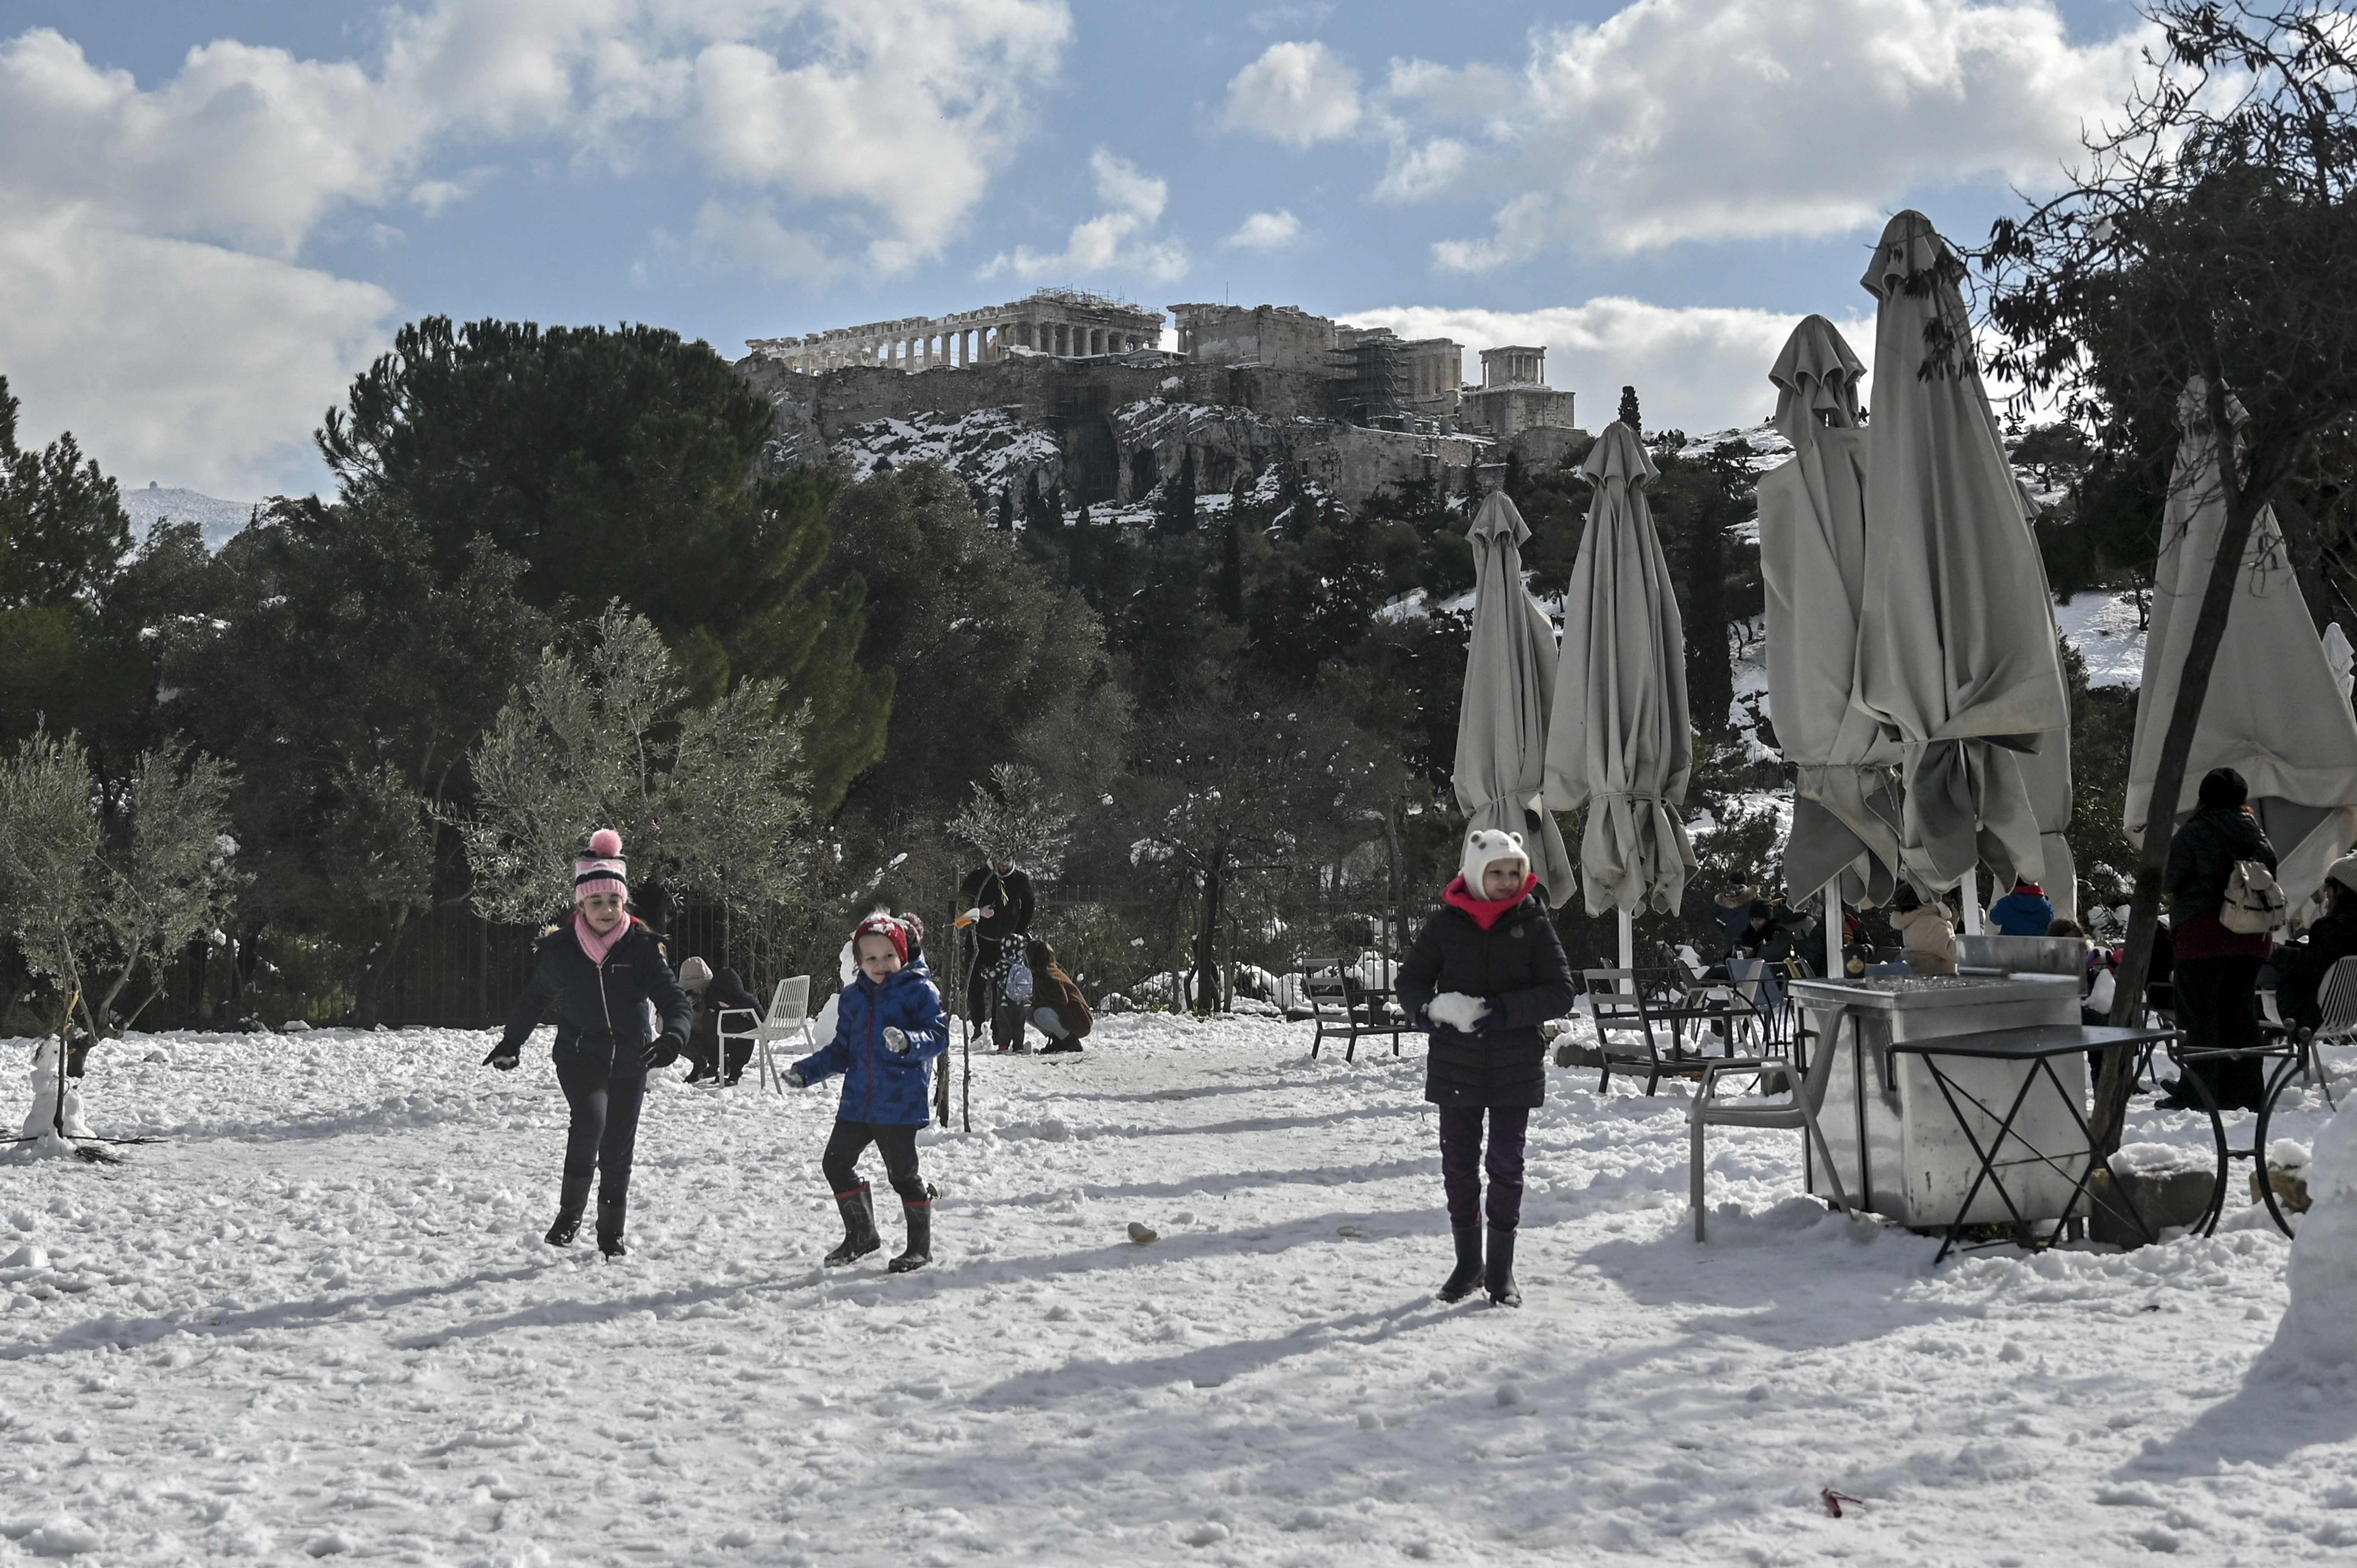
x=1896, y=1144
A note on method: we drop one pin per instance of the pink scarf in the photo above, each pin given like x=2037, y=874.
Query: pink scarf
x=595, y=946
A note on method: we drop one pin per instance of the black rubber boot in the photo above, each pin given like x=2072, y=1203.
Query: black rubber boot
x=1466, y=1279
x=570, y=1201
x=859, y=1236
x=1503, y=1289
x=610, y=1213
x=921, y=1237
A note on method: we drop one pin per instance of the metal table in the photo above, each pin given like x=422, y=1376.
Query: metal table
x=2035, y=1049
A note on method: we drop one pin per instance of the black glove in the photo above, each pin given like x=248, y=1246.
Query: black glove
x=502, y=1056
x=665, y=1050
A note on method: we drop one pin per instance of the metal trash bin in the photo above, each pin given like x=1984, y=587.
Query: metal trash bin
x=1895, y=1143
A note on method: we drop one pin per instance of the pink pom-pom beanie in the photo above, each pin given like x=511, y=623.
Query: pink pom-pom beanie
x=602, y=870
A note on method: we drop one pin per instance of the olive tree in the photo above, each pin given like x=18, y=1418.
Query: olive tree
x=711, y=800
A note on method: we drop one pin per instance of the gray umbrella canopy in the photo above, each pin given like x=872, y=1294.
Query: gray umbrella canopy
x=2274, y=713
x=1956, y=647
x=1621, y=740
x=1845, y=810
x=1502, y=721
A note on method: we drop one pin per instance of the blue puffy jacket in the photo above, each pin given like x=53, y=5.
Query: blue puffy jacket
x=877, y=1084
x=2019, y=914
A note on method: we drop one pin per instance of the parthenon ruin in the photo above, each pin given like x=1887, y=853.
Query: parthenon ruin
x=1062, y=322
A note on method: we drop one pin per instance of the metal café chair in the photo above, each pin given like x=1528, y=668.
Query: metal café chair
x=788, y=1019
x=1805, y=1098
x=1638, y=1034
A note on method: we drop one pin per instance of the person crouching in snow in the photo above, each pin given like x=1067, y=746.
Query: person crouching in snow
x=888, y=1026
x=601, y=966
x=1486, y=972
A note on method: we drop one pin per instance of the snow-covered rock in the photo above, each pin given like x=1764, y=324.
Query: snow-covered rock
x=2319, y=1326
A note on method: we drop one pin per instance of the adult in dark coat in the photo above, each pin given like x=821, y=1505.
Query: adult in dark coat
x=1486, y=972
x=715, y=992
x=2216, y=975
x=2301, y=966
x=1001, y=892
x=602, y=967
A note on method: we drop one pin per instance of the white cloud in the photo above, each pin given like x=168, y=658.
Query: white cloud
x=175, y=360
x=1681, y=119
x=1120, y=240
x=1266, y=231
x=1297, y=93
x=883, y=122
x=1695, y=368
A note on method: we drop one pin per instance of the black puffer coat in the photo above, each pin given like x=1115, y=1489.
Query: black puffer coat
x=601, y=1008
x=1518, y=967
x=2201, y=859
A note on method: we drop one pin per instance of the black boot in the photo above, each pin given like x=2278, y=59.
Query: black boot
x=1502, y=1290
x=921, y=1237
x=1466, y=1279
x=611, y=1212
x=570, y=1201
x=859, y=1236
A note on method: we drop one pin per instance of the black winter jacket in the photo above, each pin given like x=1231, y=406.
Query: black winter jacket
x=601, y=1015
x=2201, y=859
x=1518, y=967
x=1008, y=893
x=723, y=993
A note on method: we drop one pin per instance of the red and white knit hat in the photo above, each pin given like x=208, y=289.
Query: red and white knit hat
x=602, y=870
x=883, y=924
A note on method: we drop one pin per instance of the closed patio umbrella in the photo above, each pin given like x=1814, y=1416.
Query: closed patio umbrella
x=1621, y=742
x=1845, y=810
x=1509, y=680
x=2275, y=711
x=1956, y=645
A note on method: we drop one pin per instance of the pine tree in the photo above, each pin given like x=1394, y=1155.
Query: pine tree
x=1629, y=414
x=622, y=463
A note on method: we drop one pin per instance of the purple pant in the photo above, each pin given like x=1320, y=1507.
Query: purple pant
x=1461, y=1164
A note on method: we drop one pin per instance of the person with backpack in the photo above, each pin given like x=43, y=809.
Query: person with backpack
x=996, y=894
x=2216, y=974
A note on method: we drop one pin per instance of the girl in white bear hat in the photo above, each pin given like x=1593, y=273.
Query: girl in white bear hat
x=1485, y=973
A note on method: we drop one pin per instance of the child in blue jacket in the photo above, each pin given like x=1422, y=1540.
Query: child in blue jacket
x=888, y=1026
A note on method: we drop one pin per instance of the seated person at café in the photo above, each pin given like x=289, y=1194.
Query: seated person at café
x=712, y=992
x=1926, y=932
x=2300, y=967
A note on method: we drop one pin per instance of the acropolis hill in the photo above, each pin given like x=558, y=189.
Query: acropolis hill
x=1075, y=395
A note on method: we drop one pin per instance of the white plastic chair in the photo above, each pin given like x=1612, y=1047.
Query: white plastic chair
x=2335, y=999
x=788, y=1019
x=1805, y=1097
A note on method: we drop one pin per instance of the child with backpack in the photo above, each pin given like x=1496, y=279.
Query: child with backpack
x=888, y=1026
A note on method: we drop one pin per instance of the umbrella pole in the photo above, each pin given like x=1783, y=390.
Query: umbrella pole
x=1628, y=943
x=1834, y=969
x=1969, y=890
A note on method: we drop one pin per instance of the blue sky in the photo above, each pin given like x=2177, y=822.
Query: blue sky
x=216, y=213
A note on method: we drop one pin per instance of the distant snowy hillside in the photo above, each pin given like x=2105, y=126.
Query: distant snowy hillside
x=218, y=519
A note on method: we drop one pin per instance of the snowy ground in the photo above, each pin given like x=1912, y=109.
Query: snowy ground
x=318, y=1321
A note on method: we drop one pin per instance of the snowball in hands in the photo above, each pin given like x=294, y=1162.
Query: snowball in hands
x=794, y=1076
x=897, y=1041
x=1456, y=1010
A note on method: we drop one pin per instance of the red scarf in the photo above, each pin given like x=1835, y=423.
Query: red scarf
x=1486, y=912
x=595, y=946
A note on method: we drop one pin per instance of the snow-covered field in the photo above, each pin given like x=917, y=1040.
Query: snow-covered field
x=318, y=1321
